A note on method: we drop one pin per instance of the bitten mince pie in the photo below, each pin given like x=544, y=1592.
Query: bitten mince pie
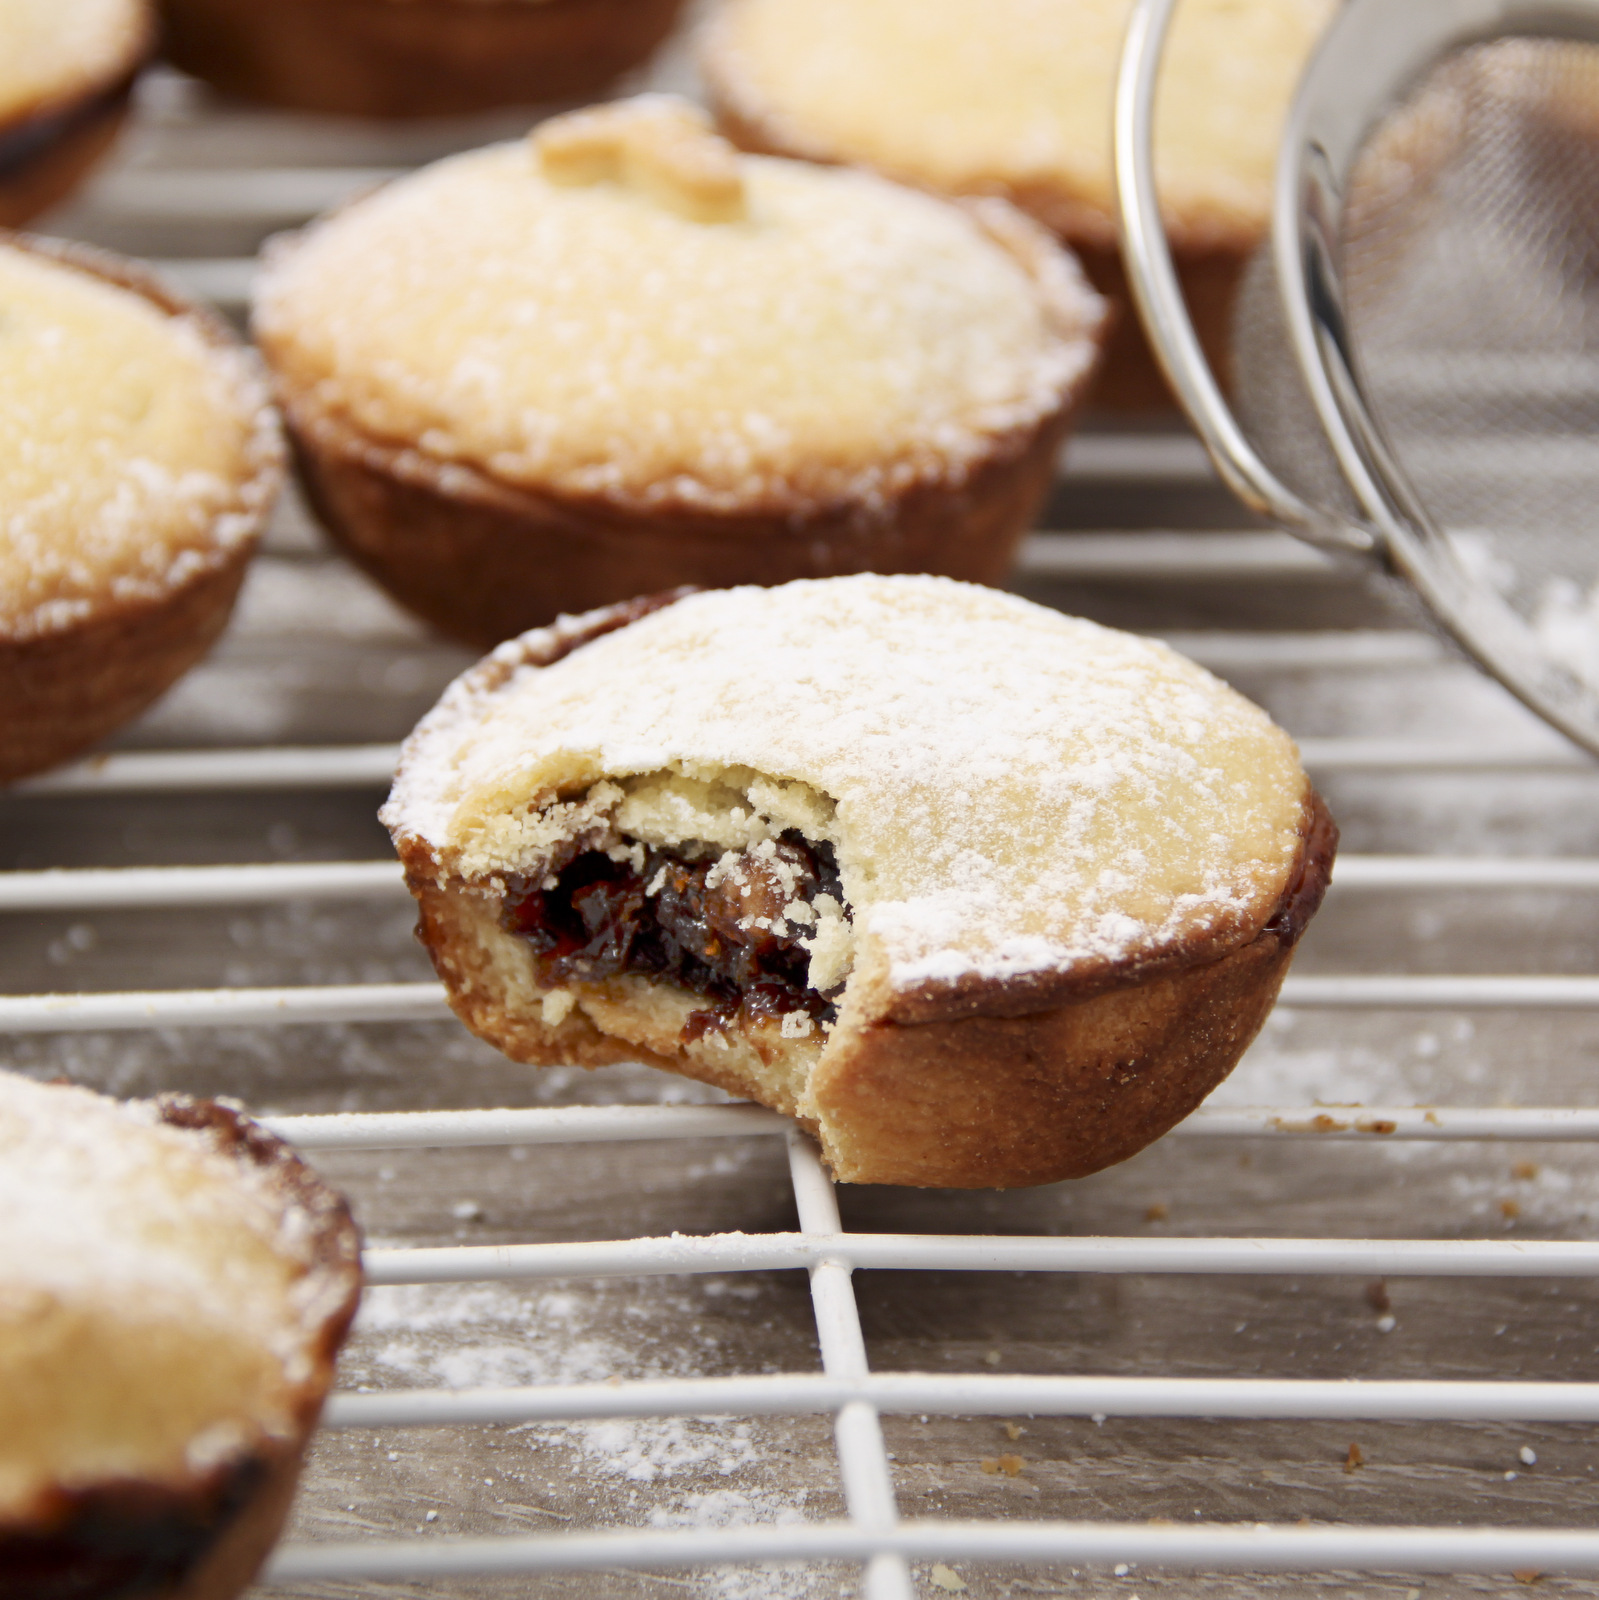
x=138, y=461
x=982, y=894
x=621, y=357
x=66, y=72
x=1014, y=97
x=174, y=1287
x=413, y=58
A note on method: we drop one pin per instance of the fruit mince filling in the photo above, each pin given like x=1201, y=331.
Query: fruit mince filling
x=725, y=928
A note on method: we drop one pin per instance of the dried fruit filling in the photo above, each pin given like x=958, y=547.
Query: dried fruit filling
x=726, y=927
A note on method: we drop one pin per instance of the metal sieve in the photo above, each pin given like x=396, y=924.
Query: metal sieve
x=1416, y=347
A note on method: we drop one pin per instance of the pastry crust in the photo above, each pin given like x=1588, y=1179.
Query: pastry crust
x=55, y=127
x=202, y=1533
x=1012, y=1093
x=941, y=1068
x=413, y=58
x=1130, y=376
x=483, y=561
x=1127, y=376
x=484, y=532
x=66, y=685
x=1215, y=159
x=46, y=155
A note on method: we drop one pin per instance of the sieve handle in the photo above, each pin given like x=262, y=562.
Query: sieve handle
x=1161, y=308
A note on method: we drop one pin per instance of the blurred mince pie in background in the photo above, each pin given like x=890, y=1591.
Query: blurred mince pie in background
x=175, y=1284
x=139, y=459
x=619, y=357
x=1014, y=98
x=412, y=58
x=66, y=73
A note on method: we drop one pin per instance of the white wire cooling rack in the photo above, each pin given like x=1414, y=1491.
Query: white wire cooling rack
x=197, y=187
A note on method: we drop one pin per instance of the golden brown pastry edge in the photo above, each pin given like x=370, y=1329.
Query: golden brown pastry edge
x=1007, y=1094
x=374, y=58
x=119, y=1537
x=67, y=134
x=483, y=562
x=62, y=691
x=66, y=142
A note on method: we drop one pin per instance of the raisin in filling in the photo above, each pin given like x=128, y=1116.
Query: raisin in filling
x=718, y=933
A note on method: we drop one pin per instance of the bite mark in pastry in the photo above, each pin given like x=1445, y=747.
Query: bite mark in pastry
x=982, y=894
x=174, y=1287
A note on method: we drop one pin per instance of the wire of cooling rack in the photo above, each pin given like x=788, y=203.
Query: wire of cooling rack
x=855, y=1396
x=83, y=889
x=361, y=766
x=425, y=1002
x=873, y=1534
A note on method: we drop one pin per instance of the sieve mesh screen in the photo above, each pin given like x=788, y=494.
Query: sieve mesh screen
x=1469, y=238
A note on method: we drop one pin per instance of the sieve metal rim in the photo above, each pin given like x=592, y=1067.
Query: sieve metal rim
x=1372, y=52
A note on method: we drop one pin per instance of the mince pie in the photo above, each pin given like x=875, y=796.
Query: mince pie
x=412, y=58
x=1014, y=98
x=620, y=357
x=174, y=1287
x=66, y=74
x=982, y=894
x=138, y=461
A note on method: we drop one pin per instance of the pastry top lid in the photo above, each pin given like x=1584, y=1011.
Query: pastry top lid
x=624, y=308
x=52, y=51
x=1015, y=96
x=1011, y=791
x=132, y=443
x=161, y=1296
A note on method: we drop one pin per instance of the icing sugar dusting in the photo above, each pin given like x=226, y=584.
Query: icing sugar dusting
x=129, y=446
x=848, y=338
x=56, y=49
x=1566, y=624
x=965, y=95
x=667, y=1472
x=1016, y=791
x=102, y=1203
